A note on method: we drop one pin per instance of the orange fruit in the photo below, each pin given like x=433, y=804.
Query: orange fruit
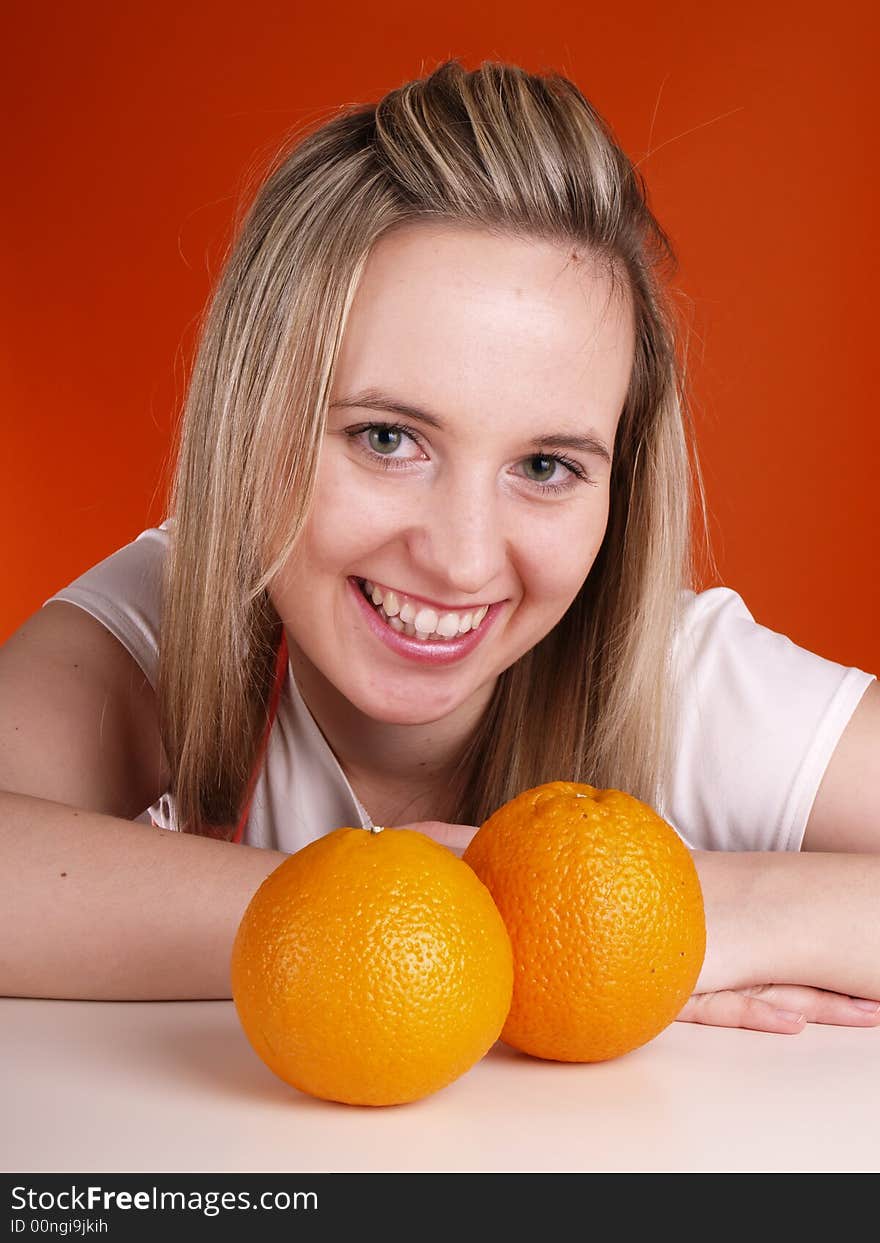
x=371, y=968
x=605, y=913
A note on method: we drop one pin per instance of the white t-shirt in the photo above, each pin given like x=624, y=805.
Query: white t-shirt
x=760, y=718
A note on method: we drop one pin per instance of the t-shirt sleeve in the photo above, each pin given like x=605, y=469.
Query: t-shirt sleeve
x=759, y=721
x=124, y=593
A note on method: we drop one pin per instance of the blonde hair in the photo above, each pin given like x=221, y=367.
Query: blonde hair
x=504, y=150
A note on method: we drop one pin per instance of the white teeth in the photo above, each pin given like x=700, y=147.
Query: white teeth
x=423, y=622
x=447, y=625
x=390, y=603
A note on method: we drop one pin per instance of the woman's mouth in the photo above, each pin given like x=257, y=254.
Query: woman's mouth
x=417, y=631
x=417, y=620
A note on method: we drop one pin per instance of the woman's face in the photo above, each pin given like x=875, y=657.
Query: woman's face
x=494, y=359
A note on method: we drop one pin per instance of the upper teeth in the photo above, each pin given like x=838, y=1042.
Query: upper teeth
x=419, y=619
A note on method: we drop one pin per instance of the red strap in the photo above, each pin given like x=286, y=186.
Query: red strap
x=280, y=675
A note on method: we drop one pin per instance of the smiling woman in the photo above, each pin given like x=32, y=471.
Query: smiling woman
x=430, y=545
x=441, y=360
x=456, y=513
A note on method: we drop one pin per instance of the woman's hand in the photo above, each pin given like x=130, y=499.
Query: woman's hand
x=781, y=1008
x=455, y=836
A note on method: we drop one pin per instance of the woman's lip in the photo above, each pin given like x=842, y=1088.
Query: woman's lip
x=422, y=651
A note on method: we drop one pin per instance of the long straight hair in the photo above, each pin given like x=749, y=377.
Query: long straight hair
x=516, y=154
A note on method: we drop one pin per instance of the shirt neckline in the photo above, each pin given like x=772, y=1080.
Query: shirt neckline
x=283, y=675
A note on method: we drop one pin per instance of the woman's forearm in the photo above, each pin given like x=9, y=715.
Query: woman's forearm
x=793, y=918
x=97, y=908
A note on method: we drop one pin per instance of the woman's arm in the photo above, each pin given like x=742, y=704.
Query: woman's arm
x=95, y=907
x=801, y=932
x=791, y=932
x=783, y=917
x=810, y=919
x=845, y=815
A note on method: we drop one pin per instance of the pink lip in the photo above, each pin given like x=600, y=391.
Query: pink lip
x=427, y=652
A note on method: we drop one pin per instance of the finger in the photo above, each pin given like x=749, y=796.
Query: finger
x=739, y=1009
x=819, y=1005
x=455, y=836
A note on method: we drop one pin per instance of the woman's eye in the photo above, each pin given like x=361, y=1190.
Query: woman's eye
x=381, y=442
x=546, y=465
x=383, y=439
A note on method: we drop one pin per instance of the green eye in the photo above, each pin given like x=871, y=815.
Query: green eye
x=540, y=458
x=383, y=430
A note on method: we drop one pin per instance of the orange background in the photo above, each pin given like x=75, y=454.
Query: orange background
x=132, y=131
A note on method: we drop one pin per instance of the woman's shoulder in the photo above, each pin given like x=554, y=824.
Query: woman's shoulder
x=719, y=645
x=124, y=592
x=714, y=605
x=707, y=624
x=759, y=717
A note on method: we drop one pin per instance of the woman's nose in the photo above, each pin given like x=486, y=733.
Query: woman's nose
x=460, y=541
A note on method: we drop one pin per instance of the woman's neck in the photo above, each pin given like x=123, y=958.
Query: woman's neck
x=400, y=773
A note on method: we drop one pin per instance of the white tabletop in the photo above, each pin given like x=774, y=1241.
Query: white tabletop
x=164, y=1087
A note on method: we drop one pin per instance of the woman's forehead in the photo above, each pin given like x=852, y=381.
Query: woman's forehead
x=462, y=316
x=473, y=265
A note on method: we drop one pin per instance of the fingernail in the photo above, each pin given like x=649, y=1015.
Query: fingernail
x=789, y=1016
x=861, y=1004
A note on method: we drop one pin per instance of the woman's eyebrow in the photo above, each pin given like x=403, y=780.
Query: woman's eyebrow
x=372, y=399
